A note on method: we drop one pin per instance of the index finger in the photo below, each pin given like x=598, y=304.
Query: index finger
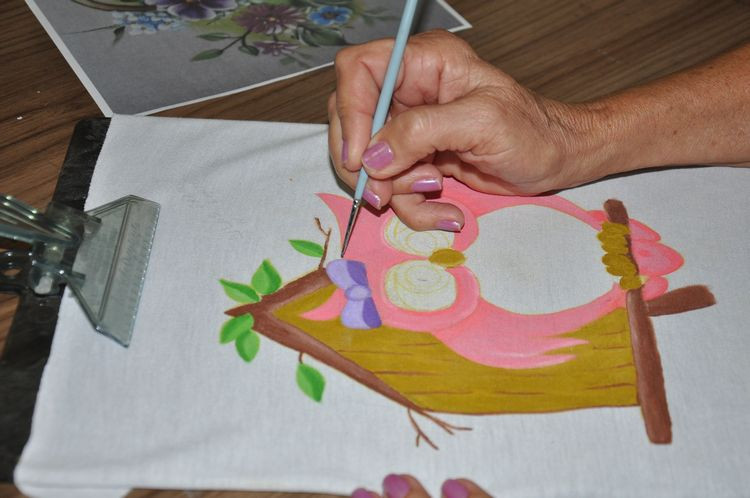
x=358, y=73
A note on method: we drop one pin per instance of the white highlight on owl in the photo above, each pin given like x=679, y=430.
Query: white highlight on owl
x=404, y=239
x=419, y=285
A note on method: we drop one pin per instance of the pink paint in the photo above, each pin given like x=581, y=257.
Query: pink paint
x=473, y=327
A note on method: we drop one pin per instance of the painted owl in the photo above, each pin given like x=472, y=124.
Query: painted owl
x=418, y=282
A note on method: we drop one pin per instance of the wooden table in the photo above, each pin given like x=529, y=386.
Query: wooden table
x=569, y=50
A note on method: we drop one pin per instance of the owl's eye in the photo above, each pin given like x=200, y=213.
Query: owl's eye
x=420, y=285
x=404, y=239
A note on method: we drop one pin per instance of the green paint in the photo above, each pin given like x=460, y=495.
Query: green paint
x=234, y=327
x=266, y=279
x=310, y=381
x=307, y=248
x=247, y=345
x=239, y=292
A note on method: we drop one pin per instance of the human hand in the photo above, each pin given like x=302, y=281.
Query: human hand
x=452, y=115
x=406, y=486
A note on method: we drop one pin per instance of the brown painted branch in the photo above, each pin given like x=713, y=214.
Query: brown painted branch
x=327, y=235
x=692, y=297
x=268, y=324
x=649, y=375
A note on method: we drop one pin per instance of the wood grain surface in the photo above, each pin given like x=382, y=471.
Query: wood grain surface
x=569, y=50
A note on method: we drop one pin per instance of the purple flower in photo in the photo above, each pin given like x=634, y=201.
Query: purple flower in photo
x=193, y=10
x=275, y=48
x=269, y=19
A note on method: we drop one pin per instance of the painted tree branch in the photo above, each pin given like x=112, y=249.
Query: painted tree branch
x=688, y=298
x=268, y=324
x=649, y=375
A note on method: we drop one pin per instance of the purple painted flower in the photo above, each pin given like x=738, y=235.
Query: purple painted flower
x=269, y=19
x=193, y=10
x=275, y=48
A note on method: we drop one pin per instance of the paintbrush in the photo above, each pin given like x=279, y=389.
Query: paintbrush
x=384, y=103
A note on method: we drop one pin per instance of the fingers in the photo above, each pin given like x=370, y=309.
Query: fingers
x=406, y=486
x=423, y=178
x=377, y=193
x=437, y=66
x=462, y=488
x=421, y=131
x=358, y=73
x=420, y=214
x=403, y=486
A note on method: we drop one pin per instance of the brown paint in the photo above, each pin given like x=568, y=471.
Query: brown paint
x=692, y=297
x=649, y=375
x=267, y=324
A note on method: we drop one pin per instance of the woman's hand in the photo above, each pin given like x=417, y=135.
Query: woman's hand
x=406, y=486
x=452, y=115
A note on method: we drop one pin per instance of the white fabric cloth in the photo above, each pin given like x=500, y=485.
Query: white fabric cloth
x=178, y=410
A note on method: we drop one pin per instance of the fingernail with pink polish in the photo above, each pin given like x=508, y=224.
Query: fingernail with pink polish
x=344, y=151
x=448, y=225
x=361, y=493
x=453, y=489
x=372, y=199
x=395, y=486
x=378, y=156
x=426, y=185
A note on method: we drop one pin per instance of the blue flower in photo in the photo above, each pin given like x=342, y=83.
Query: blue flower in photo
x=146, y=22
x=328, y=15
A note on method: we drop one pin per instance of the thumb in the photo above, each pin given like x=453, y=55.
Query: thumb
x=418, y=132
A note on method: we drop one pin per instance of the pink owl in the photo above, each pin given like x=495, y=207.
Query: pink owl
x=419, y=283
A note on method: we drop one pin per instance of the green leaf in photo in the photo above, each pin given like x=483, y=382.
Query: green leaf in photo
x=249, y=50
x=247, y=345
x=239, y=292
x=266, y=279
x=234, y=327
x=323, y=37
x=207, y=54
x=310, y=381
x=215, y=36
x=308, y=248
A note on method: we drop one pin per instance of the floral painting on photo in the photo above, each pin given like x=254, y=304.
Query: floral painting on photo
x=144, y=56
x=282, y=29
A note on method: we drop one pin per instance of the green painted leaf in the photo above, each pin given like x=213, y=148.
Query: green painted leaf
x=249, y=50
x=247, y=345
x=234, y=327
x=308, y=248
x=215, y=36
x=322, y=37
x=239, y=292
x=310, y=381
x=266, y=279
x=207, y=54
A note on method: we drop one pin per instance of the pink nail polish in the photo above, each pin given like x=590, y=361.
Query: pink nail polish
x=378, y=156
x=361, y=493
x=448, y=225
x=395, y=486
x=344, y=151
x=454, y=489
x=426, y=185
x=372, y=199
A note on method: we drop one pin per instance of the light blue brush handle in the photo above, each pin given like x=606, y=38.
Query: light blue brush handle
x=386, y=93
